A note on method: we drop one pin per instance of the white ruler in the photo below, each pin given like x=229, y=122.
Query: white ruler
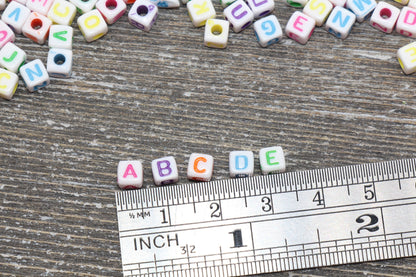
x=270, y=223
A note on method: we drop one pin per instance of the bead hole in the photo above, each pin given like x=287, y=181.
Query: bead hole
x=111, y=4
x=216, y=30
x=59, y=59
x=36, y=24
x=385, y=13
x=142, y=10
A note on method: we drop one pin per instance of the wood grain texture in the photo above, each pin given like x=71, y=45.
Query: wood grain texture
x=137, y=95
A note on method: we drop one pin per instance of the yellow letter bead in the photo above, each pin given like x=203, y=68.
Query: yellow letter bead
x=39, y=6
x=92, y=25
x=15, y=15
x=407, y=58
x=384, y=17
x=37, y=27
x=111, y=10
x=318, y=10
x=239, y=14
x=83, y=6
x=12, y=57
x=200, y=11
x=216, y=33
x=60, y=36
x=34, y=75
x=62, y=12
x=143, y=14
x=8, y=83
x=6, y=34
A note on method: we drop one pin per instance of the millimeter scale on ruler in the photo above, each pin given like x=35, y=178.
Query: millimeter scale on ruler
x=270, y=223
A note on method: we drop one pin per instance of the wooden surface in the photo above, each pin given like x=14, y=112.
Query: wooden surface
x=137, y=95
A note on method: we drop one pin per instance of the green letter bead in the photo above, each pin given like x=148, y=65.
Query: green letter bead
x=268, y=158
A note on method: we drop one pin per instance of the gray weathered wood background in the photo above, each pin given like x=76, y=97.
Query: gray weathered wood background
x=137, y=95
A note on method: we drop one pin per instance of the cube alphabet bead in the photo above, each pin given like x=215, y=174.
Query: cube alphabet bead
x=62, y=12
x=84, y=6
x=241, y=164
x=318, y=10
x=272, y=160
x=200, y=11
x=34, y=75
x=59, y=63
x=143, y=15
x=407, y=58
x=6, y=34
x=216, y=33
x=200, y=167
x=37, y=27
x=92, y=25
x=261, y=8
x=384, y=17
x=12, y=57
x=60, y=36
x=39, y=6
x=240, y=15
x=340, y=22
x=111, y=10
x=406, y=23
x=130, y=174
x=8, y=83
x=361, y=8
x=15, y=15
x=300, y=27
x=165, y=171
x=268, y=30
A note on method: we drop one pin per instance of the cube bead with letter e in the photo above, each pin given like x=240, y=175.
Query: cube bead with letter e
x=130, y=174
x=272, y=160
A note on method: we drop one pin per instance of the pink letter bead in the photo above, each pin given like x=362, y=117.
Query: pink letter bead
x=407, y=58
x=62, y=12
x=239, y=15
x=216, y=33
x=8, y=83
x=261, y=8
x=130, y=174
x=241, y=164
x=406, y=23
x=84, y=6
x=297, y=3
x=200, y=11
x=59, y=63
x=111, y=10
x=318, y=10
x=300, y=27
x=39, y=6
x=361, y=8
x=267, y=30
x=92, y=25
x=384, y=17
x=165, y=171
x=12, y=57
x=37, y=27
x=6, y=34
x=60, y=36
x=272, y=160
x=340, y=22
x=143, y=14
x=15, y=15
x=200, y=167
x=34, y=75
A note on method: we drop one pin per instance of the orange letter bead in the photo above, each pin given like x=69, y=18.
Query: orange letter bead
x=200, y=167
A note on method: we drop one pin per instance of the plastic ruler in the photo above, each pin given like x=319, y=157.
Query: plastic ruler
x=270, y=223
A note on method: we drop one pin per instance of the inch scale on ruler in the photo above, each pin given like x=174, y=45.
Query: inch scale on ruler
x=270, y=223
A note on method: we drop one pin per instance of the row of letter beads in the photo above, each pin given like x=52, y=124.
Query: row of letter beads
x=200, y=167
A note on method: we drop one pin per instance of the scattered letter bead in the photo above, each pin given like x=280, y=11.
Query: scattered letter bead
x=241, y=164
x=143, y=14
x=84, y=6
x=39, y=6
x=300, y=27
x=272, y=160
x=62, y=12
x=200, y=167
x=200, y=11
x=165, y=171
x=261, y=8
x=268, y=30
x=34, y=75
x=239, y=15
x=6, y=34
x=318, y=10
x=111, y=10
x=12, y=57
x=92, y=25
x=60, y=36
x=130, y=174
x=59, y=63
x=406, y=23
x=37, y=27
x=384, y=17
x=361, y=8
x=216, y=33
x=340, y=22
x=15, y=15
x=407, y=58
x=8, y=84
